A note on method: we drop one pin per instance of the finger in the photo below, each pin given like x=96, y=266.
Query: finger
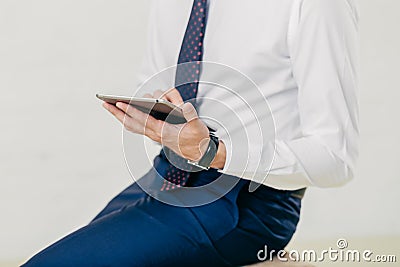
x=131, y=111
x=173, y=96
x=158, y=94
x=147, y=95
x=189, y=112
x=119, y=114
x=128, y=109
x=131, y=118
x=141, y=121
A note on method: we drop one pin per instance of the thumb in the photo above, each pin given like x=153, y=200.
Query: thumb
x=189, y=112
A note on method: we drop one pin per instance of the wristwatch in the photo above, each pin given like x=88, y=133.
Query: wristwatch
x=208, y=157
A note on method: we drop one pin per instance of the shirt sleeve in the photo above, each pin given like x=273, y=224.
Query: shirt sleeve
x=324, y=55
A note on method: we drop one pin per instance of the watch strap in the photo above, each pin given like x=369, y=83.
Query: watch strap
x=209, y=155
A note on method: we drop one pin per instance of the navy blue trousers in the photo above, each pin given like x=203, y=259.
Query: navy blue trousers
x=135, y=229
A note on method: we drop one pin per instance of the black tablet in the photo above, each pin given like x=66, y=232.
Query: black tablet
x=158, y=108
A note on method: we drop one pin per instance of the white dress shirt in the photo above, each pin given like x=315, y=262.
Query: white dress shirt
x=303, y=57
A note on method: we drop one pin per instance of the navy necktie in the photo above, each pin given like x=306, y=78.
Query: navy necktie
x=186, y=80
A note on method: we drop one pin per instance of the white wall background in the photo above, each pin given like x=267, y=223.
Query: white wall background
x=61, y=156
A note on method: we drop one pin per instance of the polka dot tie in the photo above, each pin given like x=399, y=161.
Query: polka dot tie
x=186, y=81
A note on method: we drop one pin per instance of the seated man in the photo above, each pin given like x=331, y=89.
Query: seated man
x=302, y=56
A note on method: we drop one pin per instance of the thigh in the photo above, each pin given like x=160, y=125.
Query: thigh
x=129, y=196
x=149, y=234
x=267, y=222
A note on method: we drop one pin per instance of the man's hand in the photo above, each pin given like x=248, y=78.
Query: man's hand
x=189, y=140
